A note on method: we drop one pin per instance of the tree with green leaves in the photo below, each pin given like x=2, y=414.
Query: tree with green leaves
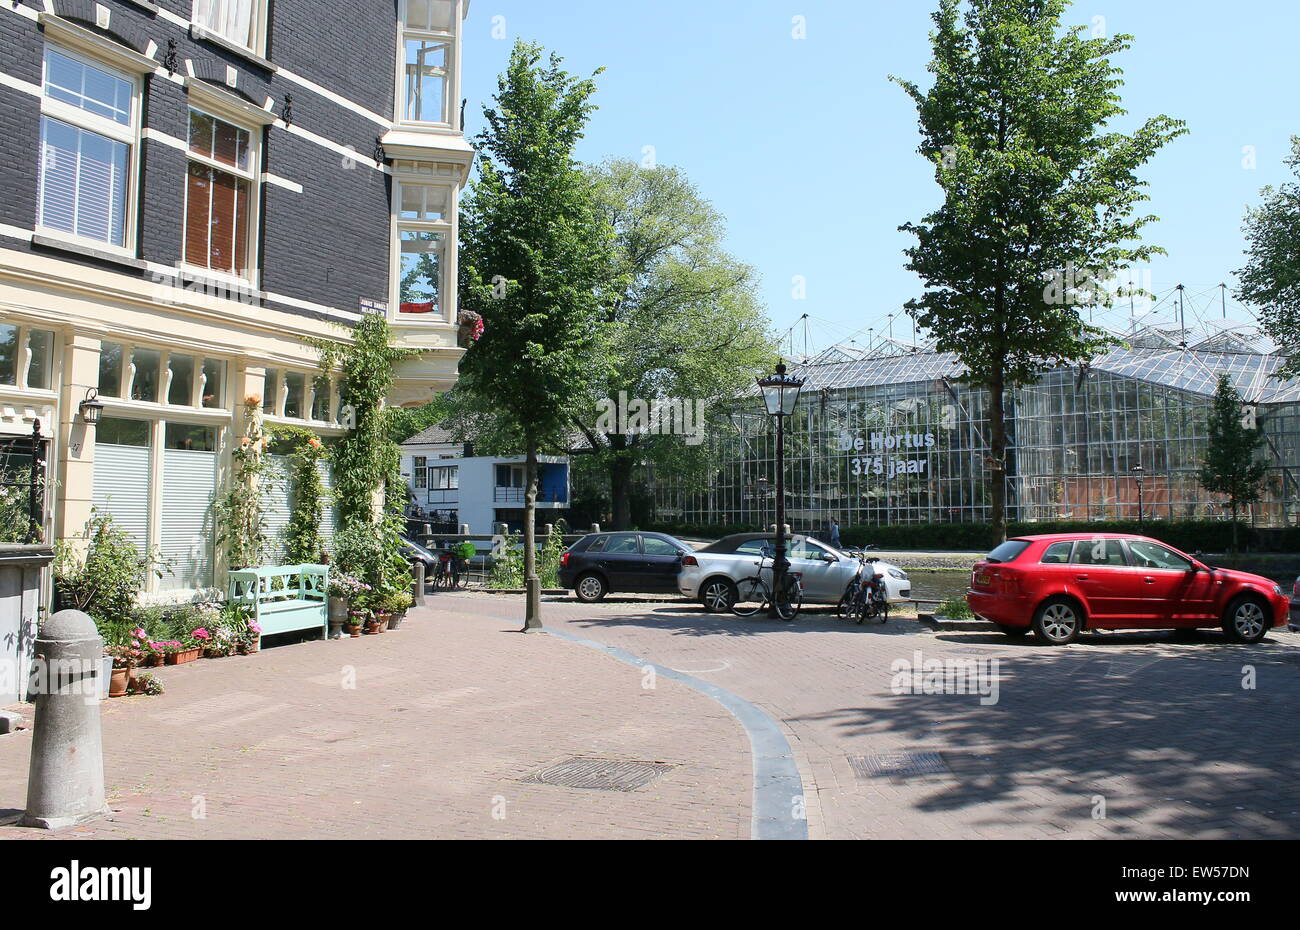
x=1039, y=196
x=1232, y=465
x=683, y=324
x=536, y=255
x=1271, y=278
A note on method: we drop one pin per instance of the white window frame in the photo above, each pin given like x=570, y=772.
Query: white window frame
x=103, y=126
x=451, y=75
x=309, y=394
x=252, y=174
x=259, y=21
x=23, y=362
x=195, y=406
x=447, y=226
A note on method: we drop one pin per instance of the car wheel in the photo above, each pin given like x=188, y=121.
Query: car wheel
x=717, y=595
x=1015, y=632
x=590, y=588
x=1057, y=621
x=1246, y=620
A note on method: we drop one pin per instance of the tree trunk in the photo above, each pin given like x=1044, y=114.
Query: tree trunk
x=620, y=490
x=998, y=454
x=1234, y=527
x=532, y=584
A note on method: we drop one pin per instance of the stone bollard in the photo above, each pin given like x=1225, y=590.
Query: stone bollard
x=65, y=784
x=595, y=527
x=417, y=584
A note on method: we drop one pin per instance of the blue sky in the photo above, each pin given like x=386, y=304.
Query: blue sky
x=810, y=152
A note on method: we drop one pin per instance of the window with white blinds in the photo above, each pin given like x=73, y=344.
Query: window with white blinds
x=88, y=137
x=237, y=21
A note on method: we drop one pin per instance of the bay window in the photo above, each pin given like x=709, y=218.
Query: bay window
x=428, y=45
x=424, y=231
x=220, y=196
x=89, y=127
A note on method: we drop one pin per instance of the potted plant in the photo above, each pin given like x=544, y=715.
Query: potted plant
x=343, y=591
x=147, y=684
x=395, y=605
x=122, y=667
x=358, y=617
x=251, y=642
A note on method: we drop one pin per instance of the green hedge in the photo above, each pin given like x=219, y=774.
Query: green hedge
x=706, y=530
x=1191, y=536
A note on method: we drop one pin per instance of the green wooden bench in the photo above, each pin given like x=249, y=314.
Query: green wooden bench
x=284, y=598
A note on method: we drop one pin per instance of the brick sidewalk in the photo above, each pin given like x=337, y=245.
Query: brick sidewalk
x=448, y=715
x=1161, y=729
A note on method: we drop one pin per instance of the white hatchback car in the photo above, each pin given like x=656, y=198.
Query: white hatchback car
x=710, y=575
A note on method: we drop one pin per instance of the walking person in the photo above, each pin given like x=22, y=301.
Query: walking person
x=835, y=533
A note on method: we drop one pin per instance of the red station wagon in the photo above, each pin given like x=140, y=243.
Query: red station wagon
x=1060, y=585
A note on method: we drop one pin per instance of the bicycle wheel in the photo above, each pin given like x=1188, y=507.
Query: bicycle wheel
x=789, y=601
x=845, y=608
x=751, y=595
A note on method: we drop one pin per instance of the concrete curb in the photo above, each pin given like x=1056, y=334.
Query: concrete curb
x=945, y=623
x=777, y=782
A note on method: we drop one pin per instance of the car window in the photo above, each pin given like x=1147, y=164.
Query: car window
x=755, y=546
x=1057, y=553
x=622, y=545
x=597, y=544
x=1154, y=555
x=1009, y=551
x=656, y=546
x=807, y=550
x=1098, y=552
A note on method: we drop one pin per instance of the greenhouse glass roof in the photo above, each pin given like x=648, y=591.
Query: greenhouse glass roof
x=1150, y=357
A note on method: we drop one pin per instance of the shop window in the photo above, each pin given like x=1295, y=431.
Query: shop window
x=295, y=387
x=110, y=369
x=181, y=391
x=214, y=383
x=144, y=383
x=8, y=354
x=186, y=438
x=40, y=366
x=321, y=400
x=115, y=431
x=271, y=393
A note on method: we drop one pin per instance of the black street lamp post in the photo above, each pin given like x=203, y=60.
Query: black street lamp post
x=1138, y=472
x=780, y=395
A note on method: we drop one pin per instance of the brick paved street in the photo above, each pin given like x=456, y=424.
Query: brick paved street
x=1161, y=729
x=448, y=715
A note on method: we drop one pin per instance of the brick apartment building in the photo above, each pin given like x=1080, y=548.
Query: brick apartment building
x=191, y=191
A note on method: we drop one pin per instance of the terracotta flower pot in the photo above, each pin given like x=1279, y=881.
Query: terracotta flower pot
x=156, y=661
x=354, y=630
x=118, y=684
x=183, y=657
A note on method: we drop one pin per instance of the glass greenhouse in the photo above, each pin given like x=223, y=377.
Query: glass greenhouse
x=892, y=436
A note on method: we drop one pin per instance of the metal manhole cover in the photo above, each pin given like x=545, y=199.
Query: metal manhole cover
x=898, y=765
x=600, y=774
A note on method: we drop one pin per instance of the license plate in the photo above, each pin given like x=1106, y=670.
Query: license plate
x=982, y=578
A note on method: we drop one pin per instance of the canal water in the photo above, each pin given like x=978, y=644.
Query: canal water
x=928, y=585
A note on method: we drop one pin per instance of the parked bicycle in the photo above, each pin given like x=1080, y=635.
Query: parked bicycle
x=452, y=573
x=866, y=597
x=755, y=594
